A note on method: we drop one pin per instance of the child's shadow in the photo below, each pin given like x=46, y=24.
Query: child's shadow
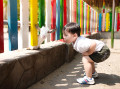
x=108, y=79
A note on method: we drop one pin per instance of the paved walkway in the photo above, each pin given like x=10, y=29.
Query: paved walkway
x=65, y=77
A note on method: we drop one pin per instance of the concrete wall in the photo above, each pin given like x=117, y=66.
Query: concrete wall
x=21, y=68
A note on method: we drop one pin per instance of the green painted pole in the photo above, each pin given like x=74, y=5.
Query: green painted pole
x=41, y=13
x=61, y=18
x=112, y=32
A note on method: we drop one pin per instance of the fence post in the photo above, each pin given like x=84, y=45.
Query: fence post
x=34, y=20
x=48, y=18
x=1, y=28
x=12, y=25
x=24, y=24
x=57, y=19
x=53, y=18
x=61, y=18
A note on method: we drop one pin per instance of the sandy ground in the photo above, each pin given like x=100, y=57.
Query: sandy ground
x=65, y=77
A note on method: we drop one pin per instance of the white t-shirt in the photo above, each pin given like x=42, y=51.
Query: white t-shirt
x=82, y=44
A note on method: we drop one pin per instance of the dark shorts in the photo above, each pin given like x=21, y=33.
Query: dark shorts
x=101, y=55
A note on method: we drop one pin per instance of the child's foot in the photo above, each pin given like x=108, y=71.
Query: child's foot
x=94, y=75
x=86, y=80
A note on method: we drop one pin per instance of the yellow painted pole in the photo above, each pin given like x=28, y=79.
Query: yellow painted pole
x=34, y=20
x=107, y=21
x=96, y=23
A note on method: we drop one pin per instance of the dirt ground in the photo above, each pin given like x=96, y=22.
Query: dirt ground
x=65, y=77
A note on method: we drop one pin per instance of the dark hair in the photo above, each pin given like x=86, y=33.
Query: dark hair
x=72, y=28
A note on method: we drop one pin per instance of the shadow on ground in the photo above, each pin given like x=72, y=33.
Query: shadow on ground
x=108, y=79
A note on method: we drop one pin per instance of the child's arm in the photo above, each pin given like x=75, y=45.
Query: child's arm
x=91, y=49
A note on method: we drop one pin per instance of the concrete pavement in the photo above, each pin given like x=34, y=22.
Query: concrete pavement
x=65, y=77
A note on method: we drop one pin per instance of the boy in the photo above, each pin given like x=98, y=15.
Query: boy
x=92, y=51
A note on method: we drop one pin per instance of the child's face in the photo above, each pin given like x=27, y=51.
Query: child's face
x=69, y=37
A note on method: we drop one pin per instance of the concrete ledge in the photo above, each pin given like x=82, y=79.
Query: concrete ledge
x=21, y=68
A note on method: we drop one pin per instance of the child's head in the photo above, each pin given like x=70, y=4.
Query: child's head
x=70, y=32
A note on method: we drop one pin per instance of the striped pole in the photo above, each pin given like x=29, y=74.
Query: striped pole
x=34, y=20
x=65, y=13
x=41, y=13
x=48, y=18
x=53, y=18
x=61, y=18
x=24, y=21
x=12, y=25
x=57, y=19
x=100, y=21
x=1, y=28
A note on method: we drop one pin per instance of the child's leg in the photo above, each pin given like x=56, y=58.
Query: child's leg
x=93, y=67
x=88, y=66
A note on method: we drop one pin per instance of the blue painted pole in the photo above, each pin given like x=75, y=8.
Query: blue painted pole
x=57, y=19
x=100, y=22
x=12, y=25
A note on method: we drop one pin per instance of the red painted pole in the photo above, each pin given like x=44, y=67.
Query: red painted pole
x=53, y=18
x=65, y=13
x=118, y=22
x=74, y=8
x=1, y=28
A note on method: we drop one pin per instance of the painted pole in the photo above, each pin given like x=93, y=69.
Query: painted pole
x=48, y=18
x=107, y=21
x=85, y=17
x=74, y=13
x=12, y=25
x=41, y=13
x=61, y=18
x=118, y=21
x=68, y=11
x=91, y=20
x=115, y=27
x=53, y=18
x=57, y=19
x=110, y=21
x=65, y=13
x=112, y=32
x=100, y=21
x=1, y=28
x=88, y=19
x=81, y=13
x=78, y=11
x=24, y=27
x=103, y=20
x=34, y=20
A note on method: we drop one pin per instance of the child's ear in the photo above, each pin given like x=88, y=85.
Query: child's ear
x=75, y=35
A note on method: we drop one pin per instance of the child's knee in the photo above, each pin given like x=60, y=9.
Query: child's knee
x=86, y=59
